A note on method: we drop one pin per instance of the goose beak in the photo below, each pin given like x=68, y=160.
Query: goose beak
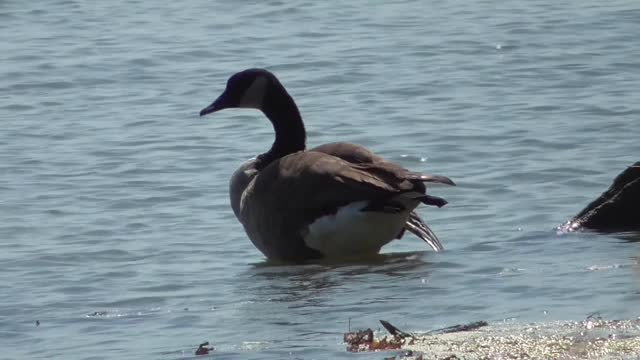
x=219, y=104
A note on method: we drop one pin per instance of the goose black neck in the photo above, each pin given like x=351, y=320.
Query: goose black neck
x=283, y=113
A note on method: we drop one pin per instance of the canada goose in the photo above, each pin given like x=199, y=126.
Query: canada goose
x=335, y=200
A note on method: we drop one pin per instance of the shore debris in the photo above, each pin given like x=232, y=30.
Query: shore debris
x=97, y=313
x=395, y=331
x=363, y=340
x=204, y=349
x=458, y=328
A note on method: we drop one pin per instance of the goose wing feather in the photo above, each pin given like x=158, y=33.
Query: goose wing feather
x=293, y=191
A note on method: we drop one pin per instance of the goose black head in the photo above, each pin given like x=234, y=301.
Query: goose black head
x=246, y=89
x=260, y=89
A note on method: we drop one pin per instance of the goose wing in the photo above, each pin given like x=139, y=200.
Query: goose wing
x=293, y=191
x=358, y=154
x=319, y=183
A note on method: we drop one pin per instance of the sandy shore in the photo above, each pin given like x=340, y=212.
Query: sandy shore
x=588, y=339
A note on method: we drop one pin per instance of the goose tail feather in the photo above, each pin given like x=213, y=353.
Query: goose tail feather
x=438, y=179
x=416, y=226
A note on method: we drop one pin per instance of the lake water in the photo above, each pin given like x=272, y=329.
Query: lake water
x=116, y=233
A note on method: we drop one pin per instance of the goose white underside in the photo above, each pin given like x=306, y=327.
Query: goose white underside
x=353, y=232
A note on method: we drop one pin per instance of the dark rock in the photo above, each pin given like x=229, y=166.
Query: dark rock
x=616, y=210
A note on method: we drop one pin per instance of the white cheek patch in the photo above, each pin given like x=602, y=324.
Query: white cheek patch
x=254, y=95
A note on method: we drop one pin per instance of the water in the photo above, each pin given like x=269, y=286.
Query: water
x=116, y=231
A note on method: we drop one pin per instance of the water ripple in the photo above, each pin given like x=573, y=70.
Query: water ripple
x=117, y=233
